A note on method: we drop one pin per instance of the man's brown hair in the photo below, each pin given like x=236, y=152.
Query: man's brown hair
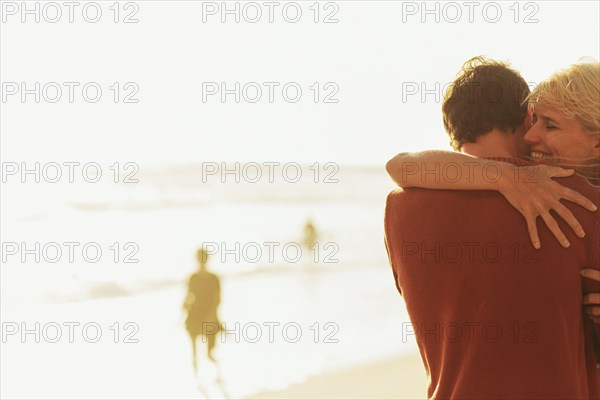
x=486, y=94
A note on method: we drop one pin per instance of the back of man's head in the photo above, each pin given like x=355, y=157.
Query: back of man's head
x=486, y=95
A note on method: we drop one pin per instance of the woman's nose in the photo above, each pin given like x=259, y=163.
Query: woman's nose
x=532, y=135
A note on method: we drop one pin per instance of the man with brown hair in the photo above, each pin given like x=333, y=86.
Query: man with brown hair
x=492, y=316
x=486, y=95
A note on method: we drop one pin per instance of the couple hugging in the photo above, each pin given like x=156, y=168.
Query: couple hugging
x=504, y=304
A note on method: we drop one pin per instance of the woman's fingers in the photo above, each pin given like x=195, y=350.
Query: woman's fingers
x=542, y=197
x=578, y=198
x=555, y=229
x=558, y=172
x=533, y=234
x=593, y=311
x=568, y=216
x=591, y=274
x=592, y=298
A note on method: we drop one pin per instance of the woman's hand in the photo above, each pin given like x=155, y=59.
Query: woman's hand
x=592, y=300
x=530, y=189
x=533, y=192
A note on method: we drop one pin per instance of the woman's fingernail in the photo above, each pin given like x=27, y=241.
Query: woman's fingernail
x=583, y=272
x=566, y=243
x=581, y=234
x=536, y=245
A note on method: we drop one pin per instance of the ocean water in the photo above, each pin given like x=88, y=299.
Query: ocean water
x=287, y=318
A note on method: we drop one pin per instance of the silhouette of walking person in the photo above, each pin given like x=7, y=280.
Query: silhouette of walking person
x=202, y=301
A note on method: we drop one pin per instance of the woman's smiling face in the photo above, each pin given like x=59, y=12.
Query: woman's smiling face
x=562, y=140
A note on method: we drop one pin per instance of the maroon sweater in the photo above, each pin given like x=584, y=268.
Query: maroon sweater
x=492, y=316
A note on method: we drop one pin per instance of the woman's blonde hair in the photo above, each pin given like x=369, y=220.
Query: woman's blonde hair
x=575, y=92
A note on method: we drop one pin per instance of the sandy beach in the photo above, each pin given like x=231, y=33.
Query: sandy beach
x=345, y=316
x=396, y=378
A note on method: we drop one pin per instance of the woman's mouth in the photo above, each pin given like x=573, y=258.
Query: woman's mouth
x=538, y=155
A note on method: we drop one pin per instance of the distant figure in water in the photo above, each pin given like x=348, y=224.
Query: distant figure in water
x=310, y=234
x=201, y=303
x=308, y=241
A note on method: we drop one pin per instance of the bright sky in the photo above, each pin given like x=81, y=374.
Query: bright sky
x=369, y=55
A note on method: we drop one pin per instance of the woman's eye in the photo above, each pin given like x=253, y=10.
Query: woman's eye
x=550, y=127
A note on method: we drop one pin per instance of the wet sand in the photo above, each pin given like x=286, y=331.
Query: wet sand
x=396, y=378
